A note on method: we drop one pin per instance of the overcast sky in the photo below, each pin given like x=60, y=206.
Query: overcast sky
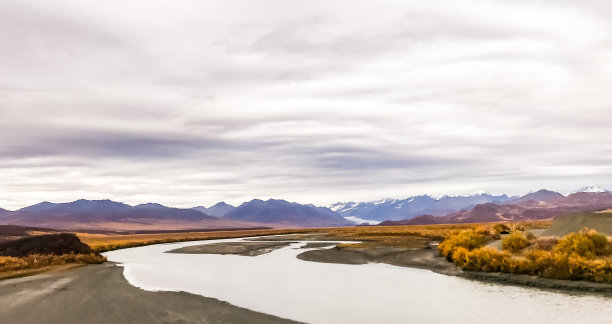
x=192, y=102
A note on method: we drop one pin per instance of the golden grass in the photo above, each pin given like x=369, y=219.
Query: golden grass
x=108, y=242
x=9, y=274
x=11, y=267
x=414, y=236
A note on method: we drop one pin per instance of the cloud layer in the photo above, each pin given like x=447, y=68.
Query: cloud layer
x=192, y=102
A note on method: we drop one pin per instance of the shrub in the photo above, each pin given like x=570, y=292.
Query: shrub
x=35, y=261
x=515, y=242
x=546, y=243
x=501, y=229
x=468, y=239
x=586, y=243
x=573, y=258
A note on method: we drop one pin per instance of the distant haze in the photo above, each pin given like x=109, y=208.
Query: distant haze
x=188, y=103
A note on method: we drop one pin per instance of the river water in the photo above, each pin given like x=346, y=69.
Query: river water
x=278, y=283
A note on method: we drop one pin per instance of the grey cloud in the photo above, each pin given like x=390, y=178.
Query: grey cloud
x=314, y=102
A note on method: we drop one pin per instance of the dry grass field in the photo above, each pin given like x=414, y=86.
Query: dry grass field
x=378, y=235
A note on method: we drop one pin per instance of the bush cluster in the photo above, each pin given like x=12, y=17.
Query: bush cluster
x=515, y=242
x=576, y=256
x=466, y=239
x=35, y=261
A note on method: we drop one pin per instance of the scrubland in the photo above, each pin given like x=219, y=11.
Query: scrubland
x=583, y=255
x=11, y=267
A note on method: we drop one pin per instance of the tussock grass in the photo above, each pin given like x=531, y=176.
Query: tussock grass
x=11, y=267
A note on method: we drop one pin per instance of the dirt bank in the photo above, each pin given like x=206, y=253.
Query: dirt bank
x=429, y=259
x=239, y=248
x=415, y=258
x=100, y=294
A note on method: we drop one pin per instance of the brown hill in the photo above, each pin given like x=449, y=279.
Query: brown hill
x=64, y=243
x=419, y=220
x=562, y=225
x=538, y=198
x=13, y=232
x=586, y=199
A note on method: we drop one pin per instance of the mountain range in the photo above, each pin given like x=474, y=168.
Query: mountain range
x=543, y=204
x=400, y=209
x=286, y=213
x=479, y=207
x=111, y=215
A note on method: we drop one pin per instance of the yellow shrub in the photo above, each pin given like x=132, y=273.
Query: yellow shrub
x=468, y=239
x=515, y=242
x=584, y=243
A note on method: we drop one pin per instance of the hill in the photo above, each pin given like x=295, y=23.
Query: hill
x=537, y=198
x=586, y=198
x=286, y=213
x=64, y=243
x=13, y=232
x=562, y=225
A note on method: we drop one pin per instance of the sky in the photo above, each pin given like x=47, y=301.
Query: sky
x=189, y=103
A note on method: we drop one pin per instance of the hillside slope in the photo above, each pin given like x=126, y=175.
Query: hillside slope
x=562, y=225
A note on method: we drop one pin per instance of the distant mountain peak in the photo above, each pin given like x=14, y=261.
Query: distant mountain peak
x=278, y=211
x=396, y=209
x=591, y=188
x=217, y=210
x=150, y=205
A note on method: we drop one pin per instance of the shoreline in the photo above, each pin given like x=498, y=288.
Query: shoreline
x=101, y=294
x=428, y=259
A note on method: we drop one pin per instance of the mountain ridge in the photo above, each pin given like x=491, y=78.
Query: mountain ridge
x=280, y=211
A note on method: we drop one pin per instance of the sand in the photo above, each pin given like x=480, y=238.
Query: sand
x=238, y=248
x=100, y=294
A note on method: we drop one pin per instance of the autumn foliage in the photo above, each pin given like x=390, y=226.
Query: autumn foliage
x=576, y=256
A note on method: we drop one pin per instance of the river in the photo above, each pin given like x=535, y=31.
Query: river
x=278, y=283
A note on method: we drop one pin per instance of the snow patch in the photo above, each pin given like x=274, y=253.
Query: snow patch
x=358, y=220
x=591, y=188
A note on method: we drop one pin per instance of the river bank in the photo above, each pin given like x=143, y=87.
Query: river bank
x=428, y=258
x=101, y=294
x=414, y=257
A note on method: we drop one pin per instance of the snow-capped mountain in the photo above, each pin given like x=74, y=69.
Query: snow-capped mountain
x=398, y=209
x=591, y=188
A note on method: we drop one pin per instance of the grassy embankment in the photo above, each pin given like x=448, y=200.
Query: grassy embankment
x=12, y=267
x=38, y=253
x=583, y=255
